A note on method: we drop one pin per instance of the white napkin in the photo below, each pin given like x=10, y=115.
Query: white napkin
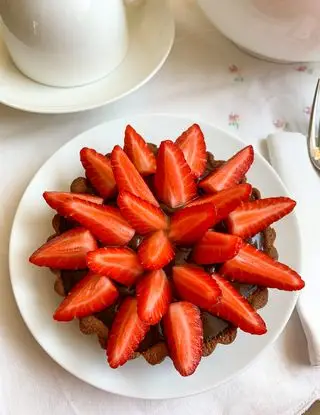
x=289, y=156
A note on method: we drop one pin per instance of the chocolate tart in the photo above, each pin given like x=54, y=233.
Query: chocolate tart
x=153, y=348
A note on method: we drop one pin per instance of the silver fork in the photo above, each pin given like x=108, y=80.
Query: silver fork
x=314, y=130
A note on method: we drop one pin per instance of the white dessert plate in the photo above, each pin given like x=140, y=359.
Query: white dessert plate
x=283, y=38
x=81, y=355
x=151, y=29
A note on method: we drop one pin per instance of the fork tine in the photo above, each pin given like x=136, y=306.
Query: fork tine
x=313, y=133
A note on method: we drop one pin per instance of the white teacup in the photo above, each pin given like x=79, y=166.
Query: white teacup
x=65, y=43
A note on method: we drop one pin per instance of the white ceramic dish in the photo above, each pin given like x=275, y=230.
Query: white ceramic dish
x=81, y=355
x=280, y=39
x=151, y=34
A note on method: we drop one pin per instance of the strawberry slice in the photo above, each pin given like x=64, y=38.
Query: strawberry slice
x=92, y=294
x=55, y=199
x=154, y=296
x=193, y=147
x=120, y=264
x=105, y=222
x=193, y=284
x=138, y=152
x=251, y=218
x=99, y=172
x=128, y=178
x=126, y=333
x=216, y=247
x=189, y=224
x=230, y=173
x=174, y=181
x=255, y=267
x=142, y=215
x=184, y=335
x=66, y=251
x=236, y=309
x=227, y=200
x=155, y=251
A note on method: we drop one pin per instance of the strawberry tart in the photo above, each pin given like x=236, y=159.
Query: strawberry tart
x=164, y=251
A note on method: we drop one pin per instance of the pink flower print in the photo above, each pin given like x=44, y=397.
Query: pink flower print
x=307, y=110
x=304, y=68
x=234, y=69
x=281, y=124
x=234, y=120
x=301, y=68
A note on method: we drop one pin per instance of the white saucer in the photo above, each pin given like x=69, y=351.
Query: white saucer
x=275, y=39
x=151, y=28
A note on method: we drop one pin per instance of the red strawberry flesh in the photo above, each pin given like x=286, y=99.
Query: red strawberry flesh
x=138, y=152
x=216, y=247
x=99, y=172
x=255, y=267
x=142, y=215
x=126, y=333
x=227, y=200
x=189, y=224
x=193, y=146
x=154, y=296
x=92, y=294
x=128, y=178
x=56, y=199
x=251, y=218
x=193, y=284
x=184, y=335
x=230, y=173
x=120, y=264
x=155, y=251
x=174, y=182
x=105, y=222
x=67, y=251
x=236, y=309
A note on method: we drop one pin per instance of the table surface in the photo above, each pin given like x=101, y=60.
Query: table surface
x=206, y=77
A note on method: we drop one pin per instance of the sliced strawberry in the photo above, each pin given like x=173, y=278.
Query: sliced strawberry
x=236, y=309
x=142, y=215
x=154, y=296
x=126, y=333
x=184, y=335
x=55, y=199
x=105, y=222
x=138, y=152
x=227, y=200
x=66, y=251
x=251, y=218
x=92, y=294
x=216, y=247
x=174, y=181
x=255, y=267
x=193, y=147
x=230, y=173
x=99, y=172
x=193, y=284
x=155, y=251
x=189, y=224
x=128, y=178
x=120, y=264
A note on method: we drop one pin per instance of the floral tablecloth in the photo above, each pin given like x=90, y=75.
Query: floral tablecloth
x=205, y=77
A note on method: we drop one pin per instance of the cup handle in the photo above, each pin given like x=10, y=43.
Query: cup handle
x=134, y=3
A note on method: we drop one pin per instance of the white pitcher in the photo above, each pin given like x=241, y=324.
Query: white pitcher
x=65, y=43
